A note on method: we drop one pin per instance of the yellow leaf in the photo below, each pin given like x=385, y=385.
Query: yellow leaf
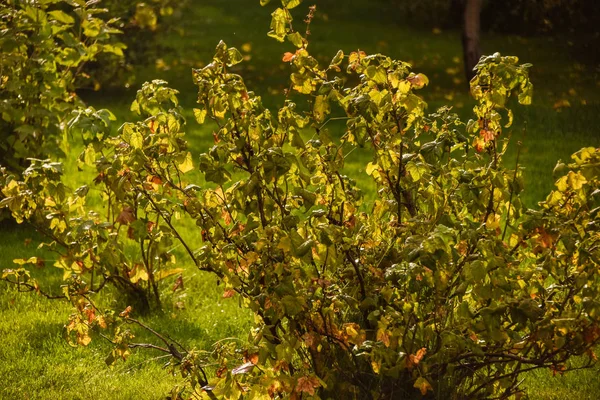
x=384, y=337
x=138, y=273
x=376, y=365
x=320, y=108
x=561, y=184
x=423, y=385
x=576, y=180
x=351, y=330
x=200, y=115
x=162, y=274
x=84, y=339
x=418, y=81
x=187, y=164
x=371, y=167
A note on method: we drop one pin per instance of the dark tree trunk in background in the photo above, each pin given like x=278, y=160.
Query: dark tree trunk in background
x=470, y=35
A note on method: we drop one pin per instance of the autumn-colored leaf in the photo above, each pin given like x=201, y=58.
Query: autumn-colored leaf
x=126, y=216
x=487, y=135
x=221, y=371
x=384, y=337
x=418, y=81
x=101, y=322
x=307, y=384
x=125, y=313
x=228, y=293
x=84, y=339
x=479, y=144
x=178, y=283
x=253, y=358
x=423, y=385
x=415, y=359
x=287, y=57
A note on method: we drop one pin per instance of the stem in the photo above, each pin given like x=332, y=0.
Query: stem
x=145, y=256
x=175, y=232
x=519, y=146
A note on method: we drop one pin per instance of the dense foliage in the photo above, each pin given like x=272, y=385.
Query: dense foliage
x=44, y=47
x=445, y=286
x=140, y=22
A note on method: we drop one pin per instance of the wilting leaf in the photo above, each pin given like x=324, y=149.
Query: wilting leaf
x=126, y=216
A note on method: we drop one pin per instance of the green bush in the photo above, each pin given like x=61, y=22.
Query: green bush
x=141, y=23
x=45, y=45
x=446, y=286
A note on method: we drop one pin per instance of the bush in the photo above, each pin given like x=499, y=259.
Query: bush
x=446, y=286
x=141, y=23
x=45, y=46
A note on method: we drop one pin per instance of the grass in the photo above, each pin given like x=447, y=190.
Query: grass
x=37, y=363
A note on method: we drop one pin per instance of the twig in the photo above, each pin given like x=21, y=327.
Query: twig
x=519, y=144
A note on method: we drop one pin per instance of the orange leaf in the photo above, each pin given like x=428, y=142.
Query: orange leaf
x=487, y=134
x=415, y=359
x=253, y=358
x=125, y=312
x=228, y=293
x=307, y=384
x=287, y=57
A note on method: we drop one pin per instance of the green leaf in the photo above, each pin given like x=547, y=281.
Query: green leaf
x=137, y=140
x=293, y=305
x=61, y=17
x=279, y=21
x=69, y=57
x=165, y=273
x=291, y=3
x=296, y=39
x=91, y=28
x=235, y=57
x=414, y=171
x=376, y=74
x=337, y=59
x=526, y=94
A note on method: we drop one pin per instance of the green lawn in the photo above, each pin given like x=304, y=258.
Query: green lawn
x=35, y=360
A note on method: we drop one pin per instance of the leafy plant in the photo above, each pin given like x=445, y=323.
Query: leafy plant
x=445, y=286
x=141, y=23
x=45, y=45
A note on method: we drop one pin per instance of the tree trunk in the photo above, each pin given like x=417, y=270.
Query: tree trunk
x=470, y=36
